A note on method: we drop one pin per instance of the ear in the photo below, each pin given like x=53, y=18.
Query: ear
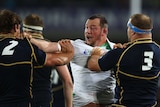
x=132, y=32
x=17, y=28
x=105, y=31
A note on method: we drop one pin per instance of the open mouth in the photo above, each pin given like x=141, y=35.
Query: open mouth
x=88, y=37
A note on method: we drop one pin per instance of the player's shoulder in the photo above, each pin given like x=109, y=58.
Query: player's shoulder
x=80, y=47
x=78, y=41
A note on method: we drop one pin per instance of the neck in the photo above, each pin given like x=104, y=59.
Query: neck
x=8, y=35
x=141, y=36
x=100, y=42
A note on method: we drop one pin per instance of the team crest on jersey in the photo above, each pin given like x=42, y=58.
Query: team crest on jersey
x=86, y=52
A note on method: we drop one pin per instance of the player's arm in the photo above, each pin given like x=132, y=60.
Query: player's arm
x=67, y=84
x=92, y=63
x=63, y=57
x=46, y=46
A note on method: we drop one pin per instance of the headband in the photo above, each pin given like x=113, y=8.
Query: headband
x=137, y=30
x=32, y=28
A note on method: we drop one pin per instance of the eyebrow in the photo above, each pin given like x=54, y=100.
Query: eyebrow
x=93, y=25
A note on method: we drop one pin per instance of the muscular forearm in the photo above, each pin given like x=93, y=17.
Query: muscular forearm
x=46, y=46
x=92, y=63
x=58, y=59
x=63, y=57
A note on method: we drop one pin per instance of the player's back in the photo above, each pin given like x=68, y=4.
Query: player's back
x=41, y=85
x=15, y=73
x=141, y=73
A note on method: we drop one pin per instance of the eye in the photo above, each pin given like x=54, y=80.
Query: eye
x=93, y=28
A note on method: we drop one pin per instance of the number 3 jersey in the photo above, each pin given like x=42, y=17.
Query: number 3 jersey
x=136, y=69
x=89, y=86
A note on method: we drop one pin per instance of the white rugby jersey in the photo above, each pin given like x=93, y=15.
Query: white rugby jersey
x=89, y=85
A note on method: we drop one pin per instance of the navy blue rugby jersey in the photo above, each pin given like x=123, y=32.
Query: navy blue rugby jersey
x=41, y=84
x=136, y=69
x=16, y=66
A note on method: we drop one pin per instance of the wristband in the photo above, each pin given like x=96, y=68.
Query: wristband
x=59, y=47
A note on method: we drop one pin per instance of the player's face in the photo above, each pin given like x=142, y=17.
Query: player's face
x=93, y=31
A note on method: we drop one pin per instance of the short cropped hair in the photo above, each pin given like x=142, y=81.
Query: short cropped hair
x=141, y=21
x=34, y=20
x=103, y=20
x=8, y=20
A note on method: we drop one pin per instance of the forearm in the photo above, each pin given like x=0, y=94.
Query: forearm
x=63, y=57
x=68, y=91
x=57, y=59
x=46, y=46
x=67, y=84
x=92, y=63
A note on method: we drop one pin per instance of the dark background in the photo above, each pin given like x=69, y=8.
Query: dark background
x=66, y=18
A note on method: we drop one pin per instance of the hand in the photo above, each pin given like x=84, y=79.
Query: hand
x=119, y=45
x=98, y=51
x=27, y=35
x=125, y=45
x=66, y=46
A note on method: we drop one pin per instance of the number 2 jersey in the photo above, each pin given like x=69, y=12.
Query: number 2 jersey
x=136, y=69
x=16, y=64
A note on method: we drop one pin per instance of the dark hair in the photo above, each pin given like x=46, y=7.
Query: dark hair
x=103, y=20
x=33, y=19
x=141, y=21
x=8, y=20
